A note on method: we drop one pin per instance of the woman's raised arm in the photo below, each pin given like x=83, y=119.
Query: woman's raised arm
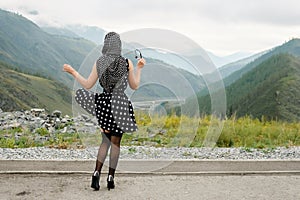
x=135, y=77
x=86, y=83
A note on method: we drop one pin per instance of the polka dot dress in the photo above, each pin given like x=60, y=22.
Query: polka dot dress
x=113, y=109
x=115, y=112
x=86, y=100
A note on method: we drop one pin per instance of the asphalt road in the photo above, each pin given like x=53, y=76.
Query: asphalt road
x=138, y=179
x=72, y=186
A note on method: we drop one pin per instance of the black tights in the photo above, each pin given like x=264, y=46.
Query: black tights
x=114, y=142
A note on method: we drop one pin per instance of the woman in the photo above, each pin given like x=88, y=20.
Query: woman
x=112, y=108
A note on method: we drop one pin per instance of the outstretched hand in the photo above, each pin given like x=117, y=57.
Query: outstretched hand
x=68, y=68
x=141, y=63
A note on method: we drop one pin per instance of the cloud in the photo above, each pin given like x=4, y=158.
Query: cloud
x=28, y=11
x=33, y=12
x=224, y=26
x=279, y=12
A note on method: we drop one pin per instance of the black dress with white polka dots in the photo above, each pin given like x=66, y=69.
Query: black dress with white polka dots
x=113, y=109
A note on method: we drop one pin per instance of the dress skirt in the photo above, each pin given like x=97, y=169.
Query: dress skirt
x=114, y=111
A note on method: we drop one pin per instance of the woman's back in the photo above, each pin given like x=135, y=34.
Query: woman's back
x=113, y=73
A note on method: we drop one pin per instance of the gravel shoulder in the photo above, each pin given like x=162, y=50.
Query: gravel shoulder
x=148, y=152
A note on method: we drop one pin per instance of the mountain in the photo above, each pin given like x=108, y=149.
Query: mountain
x=96, y=35
x=228, y=69
x=291, y=47
x=21, y=91
x=161, y=80
x=271, y=89
x=220, y=61
x=31, y=50
x=91, y=33
x=60, y=31
x=235, y=71
x=26, y=46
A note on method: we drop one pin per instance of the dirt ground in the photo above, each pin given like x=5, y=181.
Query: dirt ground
x=43, y=186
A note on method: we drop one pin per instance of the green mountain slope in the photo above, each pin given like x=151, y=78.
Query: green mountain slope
x=291, y=47
x=24, y=44
x=20, y=91
x=271, y=89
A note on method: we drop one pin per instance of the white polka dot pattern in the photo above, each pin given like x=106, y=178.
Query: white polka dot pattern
x=114, y=111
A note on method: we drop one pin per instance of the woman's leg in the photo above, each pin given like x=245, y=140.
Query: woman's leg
x=114, y=154
x=102, y=152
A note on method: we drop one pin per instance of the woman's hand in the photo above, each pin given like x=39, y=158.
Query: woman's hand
x=68, y=68
x=141, y=63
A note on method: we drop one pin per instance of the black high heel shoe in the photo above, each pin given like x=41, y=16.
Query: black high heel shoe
x=95, y=180
x=110, y=182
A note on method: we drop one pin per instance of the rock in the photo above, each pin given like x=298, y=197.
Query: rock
x=37, y=111
x=63, y=120
x=42, y=138
x=64, y=130
x=36, y=118
x=27, y=112
x=86, y=117
x=57, y=123
x=51, y=130
x=152, y=135
x=14, y=125
x=95, y=121
x=8, y=116
x=1, y=110
x=56, y=113
x=19, y=115
x=71, y=131
x=78, y=119
x=31, y=126
x=88, y=124
x=162, y=132
x=43, y=116
x=48, y=125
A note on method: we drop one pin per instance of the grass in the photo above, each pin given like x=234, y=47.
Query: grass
x=20, y=91
x=169, y=131
x=15, y=138
x=247, y=132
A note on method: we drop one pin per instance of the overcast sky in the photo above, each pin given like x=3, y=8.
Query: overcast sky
x=220, y=26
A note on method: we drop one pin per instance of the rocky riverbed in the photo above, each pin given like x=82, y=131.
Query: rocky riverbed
x=37, y=118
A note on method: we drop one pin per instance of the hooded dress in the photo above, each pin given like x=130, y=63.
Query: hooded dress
x=112, y=107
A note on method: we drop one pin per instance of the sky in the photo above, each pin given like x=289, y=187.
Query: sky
x=221, y=26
